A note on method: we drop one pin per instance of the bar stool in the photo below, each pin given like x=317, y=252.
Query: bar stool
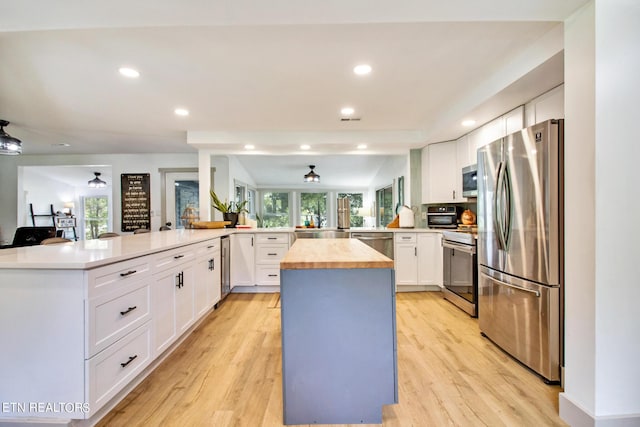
x=107, y=235
x=54, y=240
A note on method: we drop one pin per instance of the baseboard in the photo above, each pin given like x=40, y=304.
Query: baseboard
x=255, y=289
x=576, y=416
x=418, y=288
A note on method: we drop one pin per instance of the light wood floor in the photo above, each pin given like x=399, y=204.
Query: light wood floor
x=228, y=373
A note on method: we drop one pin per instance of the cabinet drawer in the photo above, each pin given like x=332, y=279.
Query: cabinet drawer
x=109, y=371
x=405, y=238
x=272, y=238
x=116, y=276
x=174, y=257
x=271, y=254
x=208, y=247
x=113, y=315
x=268, y=275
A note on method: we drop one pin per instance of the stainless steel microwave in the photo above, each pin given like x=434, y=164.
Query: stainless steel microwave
x=470, y=181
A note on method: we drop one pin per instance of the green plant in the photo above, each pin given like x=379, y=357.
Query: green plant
x=227, y=207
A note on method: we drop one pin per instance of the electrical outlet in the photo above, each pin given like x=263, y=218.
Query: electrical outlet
x=424, y=215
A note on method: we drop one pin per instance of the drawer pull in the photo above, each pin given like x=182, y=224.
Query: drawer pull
x=128, y=273
x=131, y=359
x=211, y=247
x=273, y=275
x=407, y=238
x=272, y=238
x=272, y=254
x=178, y=256
x=129, y=310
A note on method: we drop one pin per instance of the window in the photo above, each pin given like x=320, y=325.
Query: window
x=275, y=209
x=313, y=207
x=96, y=216
x=356, y=203
x=384, y=206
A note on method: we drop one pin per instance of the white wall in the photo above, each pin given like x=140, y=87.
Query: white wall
x=121, y=163
x=602, y=64
x=390, y=171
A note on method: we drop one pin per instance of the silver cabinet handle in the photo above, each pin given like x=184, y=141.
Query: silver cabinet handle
x=531, y=291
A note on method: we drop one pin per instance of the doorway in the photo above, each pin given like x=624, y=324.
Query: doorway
x=181, y=192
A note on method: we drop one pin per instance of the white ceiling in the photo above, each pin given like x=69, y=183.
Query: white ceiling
x=274, y=74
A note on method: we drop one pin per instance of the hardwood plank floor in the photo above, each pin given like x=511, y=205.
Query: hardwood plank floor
x=229, y=373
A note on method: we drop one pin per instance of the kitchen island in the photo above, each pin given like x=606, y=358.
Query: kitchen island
x=339, y=360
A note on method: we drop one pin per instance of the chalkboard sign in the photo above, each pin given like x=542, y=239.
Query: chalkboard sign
x=136, y=201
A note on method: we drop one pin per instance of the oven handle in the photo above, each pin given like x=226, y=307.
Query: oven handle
x=536, y=293
x=459, y=247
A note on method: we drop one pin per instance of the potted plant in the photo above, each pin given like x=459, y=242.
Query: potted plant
x=229, y=210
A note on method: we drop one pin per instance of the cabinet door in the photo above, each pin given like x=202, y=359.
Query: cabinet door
x=243, y=260
x=406, y=264
x=184, y=299
x=206, y=292
x=214, y=278
x=429, y=259
x=443, y=173
x=164, y=321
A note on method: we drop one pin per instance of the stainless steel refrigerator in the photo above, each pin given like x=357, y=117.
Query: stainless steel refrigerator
x=520, y=245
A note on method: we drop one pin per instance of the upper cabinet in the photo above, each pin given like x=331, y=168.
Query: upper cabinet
x=442, y=163
x=440, y=177
x=500, y=127
x=549, y=105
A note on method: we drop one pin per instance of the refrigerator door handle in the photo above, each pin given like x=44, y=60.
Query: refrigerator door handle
x=536, y=293
x=497, y=208
x=507, y=209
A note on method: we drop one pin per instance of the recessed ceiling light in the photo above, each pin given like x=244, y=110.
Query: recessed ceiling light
x=362, y=146
x=347, y=111
x=181, y=112
x=249, y=147
x=61, y=144
x=305, y=147
x=468, y=123
x=129, y=72
x=362, y=69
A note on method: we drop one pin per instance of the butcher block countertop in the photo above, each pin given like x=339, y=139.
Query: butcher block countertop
x=306, y=254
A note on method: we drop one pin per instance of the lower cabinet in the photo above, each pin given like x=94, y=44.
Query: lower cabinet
x=207, y=277
x=418, y=259
x=270, y=249
x=172, y=299
x=243, y=260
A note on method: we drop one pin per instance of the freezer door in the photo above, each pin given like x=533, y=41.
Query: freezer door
x=532, y=183
x=489, y=164
x=523, y=318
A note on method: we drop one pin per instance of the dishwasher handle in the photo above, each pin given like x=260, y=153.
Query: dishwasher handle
x=360, y=237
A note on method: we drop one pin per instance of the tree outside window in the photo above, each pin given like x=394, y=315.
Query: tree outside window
x=275, y=209
x=313, y=206
x=356, y=201
x=96, y=216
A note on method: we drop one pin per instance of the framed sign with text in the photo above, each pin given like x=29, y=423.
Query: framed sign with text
x=136, y=201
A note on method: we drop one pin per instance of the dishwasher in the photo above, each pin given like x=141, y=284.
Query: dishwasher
x=225, y=282
x=381, y=242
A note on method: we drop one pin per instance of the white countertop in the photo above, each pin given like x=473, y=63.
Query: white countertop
x=87, y=254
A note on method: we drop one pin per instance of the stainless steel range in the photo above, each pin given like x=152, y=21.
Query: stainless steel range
x=460, y=269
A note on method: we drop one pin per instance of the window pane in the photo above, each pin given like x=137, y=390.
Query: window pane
x=187, y=196
x=251, y=202
x=384, y=205
x=275, y=209
x=356, y=201
x=313, y=206
x=96, y=216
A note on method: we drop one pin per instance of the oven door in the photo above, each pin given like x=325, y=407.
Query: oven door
x=460, y=273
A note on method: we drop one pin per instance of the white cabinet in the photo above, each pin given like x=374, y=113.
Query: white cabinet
x=172, y=296
x=243, y=258
x=418, y=259
x=207, y=277
x=513, y=121
x=465, y=154
x=500, y=127
x=440, y=178
x=429, y=259
x=270, y=249
x=549, y=105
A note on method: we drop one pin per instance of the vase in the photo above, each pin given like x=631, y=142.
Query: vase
x=230, y=216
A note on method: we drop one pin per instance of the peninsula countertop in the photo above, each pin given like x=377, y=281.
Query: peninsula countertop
x=307, y=254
